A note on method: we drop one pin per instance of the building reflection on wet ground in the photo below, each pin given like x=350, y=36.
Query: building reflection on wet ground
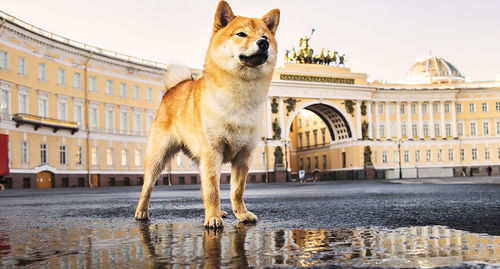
x=145, y=245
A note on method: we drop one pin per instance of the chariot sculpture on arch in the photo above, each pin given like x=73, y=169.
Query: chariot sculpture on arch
x=305, y=54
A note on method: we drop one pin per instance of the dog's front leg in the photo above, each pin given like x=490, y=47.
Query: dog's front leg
x=210, y=166
x=239, y=172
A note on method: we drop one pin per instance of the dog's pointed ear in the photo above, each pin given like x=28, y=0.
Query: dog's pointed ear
x=223, y=16
x=272, y=19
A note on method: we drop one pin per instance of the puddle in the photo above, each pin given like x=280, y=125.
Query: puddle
x=185, y=245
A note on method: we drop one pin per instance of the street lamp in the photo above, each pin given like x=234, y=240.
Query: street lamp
x=399, y=150
x=285, y=142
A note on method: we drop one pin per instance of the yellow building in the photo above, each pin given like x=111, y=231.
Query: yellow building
x=77, y=115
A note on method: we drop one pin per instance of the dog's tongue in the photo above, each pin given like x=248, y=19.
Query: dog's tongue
x=254, y=60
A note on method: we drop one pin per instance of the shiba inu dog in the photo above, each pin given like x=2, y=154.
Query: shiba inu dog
x=214, y=119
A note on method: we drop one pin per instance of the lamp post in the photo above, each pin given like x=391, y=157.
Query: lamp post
x=286, y=158
x=399, y=150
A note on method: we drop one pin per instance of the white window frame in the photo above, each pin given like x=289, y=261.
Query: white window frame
x=21, y=67
x=137, y=124
x=77, y=81
x=451, y=154
x=110, y=87
x=137, y=92
x=63, y=155
x=110, y=118
x=44, y=153
x=62, y=103
x=23, y=92
x=93, y=84
x=138, y=158
x=78, y=106
x=459, y=108
x=94, y=115
x=43, y=104
x=61, y=77
x=484, y=107
x=110, y=156
x=94, y=156
x=149, y=94
x=42, y=72
x=4, y=60
x=486, y=127
x=124, y=157
x=25, y=152
x=124, y=119
x=123, y=89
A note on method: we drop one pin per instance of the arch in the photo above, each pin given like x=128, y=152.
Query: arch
x=338, y=123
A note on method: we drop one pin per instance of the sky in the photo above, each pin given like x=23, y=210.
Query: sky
x=382, y=38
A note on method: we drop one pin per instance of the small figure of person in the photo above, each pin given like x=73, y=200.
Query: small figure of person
x=471, y=172
x=489, y=169
x=464, y=172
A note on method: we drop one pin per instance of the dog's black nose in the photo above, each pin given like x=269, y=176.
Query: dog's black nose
x=263, y=44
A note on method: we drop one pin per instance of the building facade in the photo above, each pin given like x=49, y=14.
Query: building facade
x=77, y=116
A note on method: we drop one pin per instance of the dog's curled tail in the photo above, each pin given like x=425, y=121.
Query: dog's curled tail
x=176, y=74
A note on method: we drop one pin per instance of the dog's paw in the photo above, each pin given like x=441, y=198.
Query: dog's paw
x=247, y=217
x=214, y=222
x=223, y=213
x=141, y=214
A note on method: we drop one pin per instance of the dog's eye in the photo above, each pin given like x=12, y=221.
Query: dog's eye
x=241, y=34
x=265, y=37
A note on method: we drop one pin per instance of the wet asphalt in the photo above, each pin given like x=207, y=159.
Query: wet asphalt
x=321, y=205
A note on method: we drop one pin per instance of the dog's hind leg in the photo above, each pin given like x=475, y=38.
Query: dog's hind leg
x=239, y=170
x=162, y=145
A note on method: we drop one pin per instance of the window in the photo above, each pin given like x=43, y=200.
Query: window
x=149, y=94
x=413, y=109
x=446, y=108
x=263, y=160
x=484, y=107
x=392, y=108
x=109, y=87
x=62, y=155
x=486, y=128
x=137, y=92
x=149, y=120
x=124, y=121
x=137, y=123
x=123, y=90
x=498, y=127
x=43, y=107
x=300, y=140
x=24, y=152
x=460, y=129
x=315, y=134
x=93, y=84
x=448, y=129
x=307, y=138
x=428, y=155
x=440, y=155
x=62, y=110
x=42, y=72
x=316, y=162
x=426, y=129
x=94, y=156
x=402, y=108
x=472, y=107
x=414, y=129
x=21, y=68
x=162, y=92
x=77, y=81
x=301, y=163
x=110, y=117
x=487, y=154
x=424, y=108
x=381, y=108
x=384, y=156
x=79, y=114
x=323, y=134
x=472, y=128
x=462, y=154
x=451, y=155
x=344, y=160
x=4, y=101
x=4, y=60
x=459, y=108
x=437, y=130
x=324, y=162
x=417, y=156
x=406, y=156
x=138, y=158
x=436, y=108
x=498, y=153
x=23, y=103
x=474, y=154
x=93, y=117
x=26, y=183
x=61, y=77
x=497, y=106
x=124, y=157
x=308, y=163
x=110, y=158
x=43, y=154
x=382, y=129
x=79, y=155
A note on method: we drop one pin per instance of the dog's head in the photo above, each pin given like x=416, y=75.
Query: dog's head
x=241, y=44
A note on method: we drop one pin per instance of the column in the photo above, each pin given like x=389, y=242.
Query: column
x=409, y=124
x=358, y=118
x=443, y=124
x=454, y=119
x=420, y=120
x=431, y=119
x=387, y=126
x=377, y=121
x=269, y=130
x=370, y=120
x=398, y=119
x=282, y=117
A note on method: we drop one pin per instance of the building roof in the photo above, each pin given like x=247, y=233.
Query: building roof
x=433, y=69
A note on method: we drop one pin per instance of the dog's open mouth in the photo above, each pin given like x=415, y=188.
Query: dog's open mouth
x=254, y=59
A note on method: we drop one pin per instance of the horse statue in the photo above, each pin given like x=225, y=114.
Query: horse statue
x=342, y=60
x=327, y=59
x=319, y=59
x=334, y=57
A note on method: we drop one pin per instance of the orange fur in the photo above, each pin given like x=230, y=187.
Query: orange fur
x=214, y=119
